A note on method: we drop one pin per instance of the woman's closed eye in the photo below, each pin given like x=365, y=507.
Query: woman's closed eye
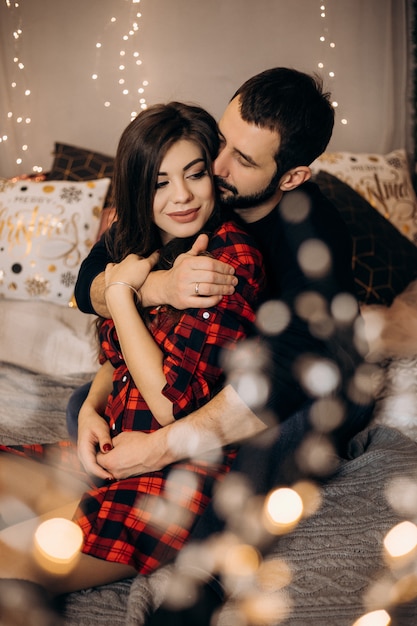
x=197, y=175
x=189, y=176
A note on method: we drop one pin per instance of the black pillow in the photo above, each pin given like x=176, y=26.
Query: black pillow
x=74, y=163
x=384, y=261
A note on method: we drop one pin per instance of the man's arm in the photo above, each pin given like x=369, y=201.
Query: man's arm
x=215, y=424
x=175, y=286
x=97, y=298
x=89, y=294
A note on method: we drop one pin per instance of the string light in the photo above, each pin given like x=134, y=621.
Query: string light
x=17, y=120
x=324, y=64
x=129, y=59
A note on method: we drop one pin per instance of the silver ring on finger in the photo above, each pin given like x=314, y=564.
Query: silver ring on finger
x=197, y=289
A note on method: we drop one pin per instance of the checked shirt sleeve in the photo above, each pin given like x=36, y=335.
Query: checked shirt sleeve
x=193, y=349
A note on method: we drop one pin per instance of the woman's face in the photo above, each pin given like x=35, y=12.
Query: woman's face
x=184, y=195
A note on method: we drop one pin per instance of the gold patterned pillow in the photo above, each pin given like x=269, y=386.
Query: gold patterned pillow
x=46, y=230
x=382, y=179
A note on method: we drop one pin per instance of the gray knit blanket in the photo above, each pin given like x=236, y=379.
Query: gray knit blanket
x=335, y=555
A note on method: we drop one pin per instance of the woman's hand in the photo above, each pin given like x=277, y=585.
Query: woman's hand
x=177, y=286
x=93, y=435
x=133, y=270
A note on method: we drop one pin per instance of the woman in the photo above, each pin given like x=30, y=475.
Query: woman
x=157, y=364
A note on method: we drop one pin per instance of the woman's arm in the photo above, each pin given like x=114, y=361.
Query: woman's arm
x=142, y=355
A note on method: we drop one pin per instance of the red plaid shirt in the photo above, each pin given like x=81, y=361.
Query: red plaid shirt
x=192, y=344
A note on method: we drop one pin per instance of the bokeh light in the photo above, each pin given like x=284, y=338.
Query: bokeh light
x=314, y=258
x=401, y=540
x=57, y=545
x=282, y=510
x=374, y=618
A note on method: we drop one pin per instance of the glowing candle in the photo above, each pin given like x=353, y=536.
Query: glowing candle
x=57, y=545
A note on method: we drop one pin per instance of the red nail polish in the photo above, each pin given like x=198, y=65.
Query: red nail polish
x=107, y=447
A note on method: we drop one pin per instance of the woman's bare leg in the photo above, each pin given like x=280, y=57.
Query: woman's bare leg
x=17, y=559
x=37, y=486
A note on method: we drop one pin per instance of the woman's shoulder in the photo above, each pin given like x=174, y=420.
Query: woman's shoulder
x=231, y=240
x=230, y=230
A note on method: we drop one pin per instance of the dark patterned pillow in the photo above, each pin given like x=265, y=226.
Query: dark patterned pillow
x=384, y=261
x=80, y=164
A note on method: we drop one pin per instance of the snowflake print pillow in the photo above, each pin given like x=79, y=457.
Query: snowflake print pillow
x=384, y=180
x=46, y=229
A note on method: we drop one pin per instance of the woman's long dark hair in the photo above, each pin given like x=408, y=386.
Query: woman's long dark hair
x=142, y=147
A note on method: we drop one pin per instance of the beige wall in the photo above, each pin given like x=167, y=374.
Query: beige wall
x=191, y=50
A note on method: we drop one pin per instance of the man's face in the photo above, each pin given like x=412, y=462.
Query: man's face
x=245, y=169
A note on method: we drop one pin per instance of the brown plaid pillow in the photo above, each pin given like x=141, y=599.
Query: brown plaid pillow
x=80, y=164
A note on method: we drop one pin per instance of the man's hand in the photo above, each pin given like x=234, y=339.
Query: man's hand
x=177, y=286
x=133, y=453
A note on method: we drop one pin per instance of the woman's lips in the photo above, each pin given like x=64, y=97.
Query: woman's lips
x=184, y=217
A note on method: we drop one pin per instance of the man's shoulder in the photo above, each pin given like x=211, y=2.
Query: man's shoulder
x=317, y=198
x=319, y=206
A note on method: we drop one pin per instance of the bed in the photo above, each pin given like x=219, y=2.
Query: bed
x=47, y=349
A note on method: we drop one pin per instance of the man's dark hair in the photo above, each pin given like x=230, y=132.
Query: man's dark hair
x=294, y=105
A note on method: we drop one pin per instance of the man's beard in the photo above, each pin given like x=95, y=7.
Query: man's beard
x=236, y=201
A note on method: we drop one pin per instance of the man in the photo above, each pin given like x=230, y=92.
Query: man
x=275, y=125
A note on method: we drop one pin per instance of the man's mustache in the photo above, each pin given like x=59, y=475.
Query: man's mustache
x=220, y=182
